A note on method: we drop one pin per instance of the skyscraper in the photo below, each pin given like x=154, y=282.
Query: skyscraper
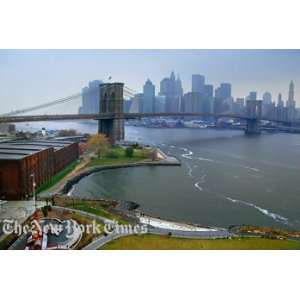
x=136, y=103
x=291, y=103
x=280, y=110
x=252, y=96
x=239, y=106
x=280, y=101
x=91, y=98
x=208, y=98
x=148, y=97
x=172, y=89
x=160, y=103
x=267, y=105
x=198, y=82
x=222, y=94
x=192, y=102
x=267, y=98
x=291, y=91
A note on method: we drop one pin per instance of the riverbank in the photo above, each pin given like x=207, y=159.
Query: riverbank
x=165, y=160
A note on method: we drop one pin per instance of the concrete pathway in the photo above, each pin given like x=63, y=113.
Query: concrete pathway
x=100, y=242
x=86, y=214
x=204, y=233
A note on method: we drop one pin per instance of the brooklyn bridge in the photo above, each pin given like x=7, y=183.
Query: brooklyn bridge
x=112, y=116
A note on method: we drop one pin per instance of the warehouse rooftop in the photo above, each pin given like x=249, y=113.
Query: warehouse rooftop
x=19, y=149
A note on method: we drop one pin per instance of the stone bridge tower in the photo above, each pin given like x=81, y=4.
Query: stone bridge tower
x=253, y=114
x=111, y=102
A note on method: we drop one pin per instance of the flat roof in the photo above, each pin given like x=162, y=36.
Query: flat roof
x=24, y=145
x=55, y=141
x=11, y=156
x=19, y=149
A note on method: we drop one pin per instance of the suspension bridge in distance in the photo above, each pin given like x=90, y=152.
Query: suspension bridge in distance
x=111, y=116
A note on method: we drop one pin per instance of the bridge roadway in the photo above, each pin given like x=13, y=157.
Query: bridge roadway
x=107, y=116
x=128, y=116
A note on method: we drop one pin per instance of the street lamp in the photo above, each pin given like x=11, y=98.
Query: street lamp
x=33, y=189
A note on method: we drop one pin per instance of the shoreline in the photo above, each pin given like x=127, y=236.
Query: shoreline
x=166, y=160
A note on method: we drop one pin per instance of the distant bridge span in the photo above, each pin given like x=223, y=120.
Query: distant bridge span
x=108, y=116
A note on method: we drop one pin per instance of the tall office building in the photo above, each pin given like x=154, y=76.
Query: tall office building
x=291, y=91
x=148, y=97
x=127, y=105
x=171, y=88
x=198, y=82
x=90, y=98
x=280, y=101
x=136, y=103
x=239, y=106
x=222, y=94
x=208, y=98
x=280, y=109
x=160, y=104
x=267, y=105
x=192, y=102
x=252, y=96
x=267, y=98
x=291, y=103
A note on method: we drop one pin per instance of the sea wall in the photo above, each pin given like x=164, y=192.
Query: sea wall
x=67, y=187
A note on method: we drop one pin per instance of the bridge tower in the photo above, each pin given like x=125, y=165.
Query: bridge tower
x=111, y=102
x=253, y=113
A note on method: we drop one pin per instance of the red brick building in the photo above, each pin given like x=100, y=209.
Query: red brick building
x=21, y=159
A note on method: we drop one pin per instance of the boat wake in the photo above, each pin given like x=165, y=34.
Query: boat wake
x=205, y=159
x=187, y=155
x=197, y=186
x=190, y=170
x=264, y=211
x=252, y=169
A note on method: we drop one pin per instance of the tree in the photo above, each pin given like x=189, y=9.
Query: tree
x=129, y=152
x=99, y=144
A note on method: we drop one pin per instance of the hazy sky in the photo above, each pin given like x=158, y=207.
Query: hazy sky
x=29, y=77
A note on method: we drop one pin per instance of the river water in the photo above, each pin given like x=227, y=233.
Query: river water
x=226, y=178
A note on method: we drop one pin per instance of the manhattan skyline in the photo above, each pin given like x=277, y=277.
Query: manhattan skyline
x=30, y=77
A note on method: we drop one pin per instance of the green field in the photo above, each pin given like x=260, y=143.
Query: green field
x=117, y=156
x=156, y=242
x=87, y=207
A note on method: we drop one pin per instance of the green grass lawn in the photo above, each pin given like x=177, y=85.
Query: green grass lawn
x=117, y=156
x=85, y=206
x=156, y=242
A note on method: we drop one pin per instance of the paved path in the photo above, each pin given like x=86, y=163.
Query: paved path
x=86, y=214
x=217, y=234
x=102, y=240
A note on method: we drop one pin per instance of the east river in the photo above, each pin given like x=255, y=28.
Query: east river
x=226, y=178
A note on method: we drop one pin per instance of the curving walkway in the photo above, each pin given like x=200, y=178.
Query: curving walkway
x=100, y=242
x=193, y=234
x=85, y=214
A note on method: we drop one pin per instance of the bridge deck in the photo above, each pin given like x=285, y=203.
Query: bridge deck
x=104, y=116
x=127, y=116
